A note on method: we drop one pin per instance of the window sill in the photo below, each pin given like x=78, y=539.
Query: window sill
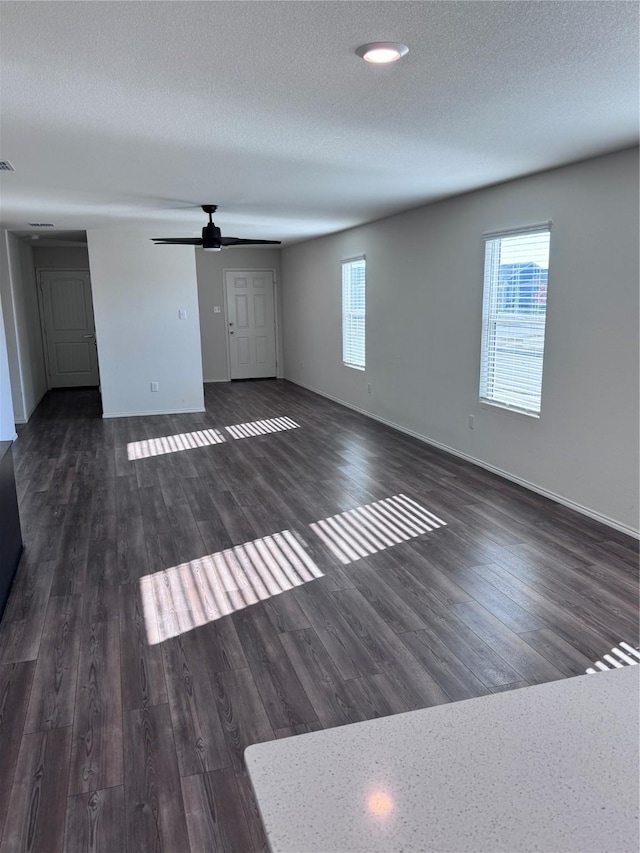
x=513, y=409
x=353, y=366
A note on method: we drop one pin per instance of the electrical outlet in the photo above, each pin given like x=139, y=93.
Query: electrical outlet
x=216, y=309
x=155, y=386
x=471, y=421
x=182, y=314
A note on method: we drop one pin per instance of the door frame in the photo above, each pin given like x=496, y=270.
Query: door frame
x=43, y=331
x=276, y=314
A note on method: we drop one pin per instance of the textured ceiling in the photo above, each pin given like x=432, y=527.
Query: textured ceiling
x=119, y=112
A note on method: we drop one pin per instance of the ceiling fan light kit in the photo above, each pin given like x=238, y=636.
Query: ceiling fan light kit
x=212, y=239
x=382, y=52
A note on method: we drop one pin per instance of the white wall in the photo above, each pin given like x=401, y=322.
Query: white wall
x=138, y=289
x=22, y=326
x=424, y=303
x=213, y=327
x=7, y=427
x=7, y=269
x=61, y=257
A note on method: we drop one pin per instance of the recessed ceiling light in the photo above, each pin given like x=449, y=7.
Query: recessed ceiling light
x=380, y=52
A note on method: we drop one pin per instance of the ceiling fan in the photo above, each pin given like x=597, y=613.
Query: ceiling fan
x=211, y=240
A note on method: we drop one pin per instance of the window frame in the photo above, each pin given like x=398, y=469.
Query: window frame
x=351, y=313
x=491, y=315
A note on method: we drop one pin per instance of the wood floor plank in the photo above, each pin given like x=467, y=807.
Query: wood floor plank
x=101, y=584
x=503, y=688
x=574, y=590
x=241, y=711
x=376, y=696
x=154, y=809
x=285, y=701
x=71, y=566
x=450, y=634
x=141, y=664
x=127, y=496
x=221, y=645
x=133, y=560
x=285, y=614
x=199, y=737
x=561, y=654
x=328, y=693
x=349, y=655
x=15, y=688
x=424, y=569
x=530, y=664
x=252, y=812
x=443, y=666
x=504, y=608
x=20, y=640
x=562, y=620
x=96, y=754
x=95, y=822
x=36, y=815
x=396, y=613
x=215, y=817
x=415, y=686
x=24, y=615
x=235, y=521
x=52, y=703
x=302, y=729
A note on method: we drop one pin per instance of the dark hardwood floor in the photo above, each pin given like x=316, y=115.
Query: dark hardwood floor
x=179, y=599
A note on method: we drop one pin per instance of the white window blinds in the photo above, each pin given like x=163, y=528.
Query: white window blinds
x=516, y=270
x=353, y=313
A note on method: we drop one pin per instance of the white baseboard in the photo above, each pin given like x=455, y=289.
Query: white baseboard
x=23, y=421
x=211, y=381
x=583, y=510
x=107, y=415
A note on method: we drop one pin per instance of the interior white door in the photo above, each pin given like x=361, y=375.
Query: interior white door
x=68, y=326
x=251, y=323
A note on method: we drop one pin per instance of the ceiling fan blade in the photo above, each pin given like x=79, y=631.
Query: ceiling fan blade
x=238, y=241
x=177, y=241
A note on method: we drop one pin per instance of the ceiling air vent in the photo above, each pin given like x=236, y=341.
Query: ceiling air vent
x=41, y=224
x=5, y=166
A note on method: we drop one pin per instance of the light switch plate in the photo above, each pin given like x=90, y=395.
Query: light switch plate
x=182, y=314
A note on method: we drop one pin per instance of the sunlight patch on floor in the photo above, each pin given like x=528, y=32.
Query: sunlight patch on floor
x=261, y=427
x=149, y=447
x=621, y=655
x=184, y=597
x=373, y=527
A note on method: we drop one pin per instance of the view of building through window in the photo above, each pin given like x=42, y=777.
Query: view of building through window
x=514, y=313
x=353, y=312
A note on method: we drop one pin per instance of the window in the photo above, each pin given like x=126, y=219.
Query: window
x=353, y=313
x=516, y=268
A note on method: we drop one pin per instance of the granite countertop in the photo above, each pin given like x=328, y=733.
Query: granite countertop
x=546, y=768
